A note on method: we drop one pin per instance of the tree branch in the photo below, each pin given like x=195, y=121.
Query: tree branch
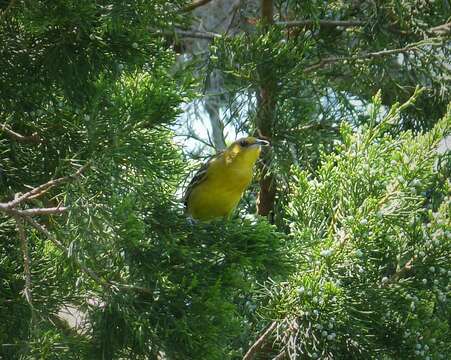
x=207, y=35
x=441, y=29
x=267, y=9
x=132, y=288
x=281, y=355
x=34, y=211
x=321, y=23
x=20, y=215
x=31, y=139
x=195, y=4
x=26, y=260
x=400, y=272
x=257, y=345
x=339, y=59
x=266, y=103
x=43, y=211
x=198, y=34
x=39, y=190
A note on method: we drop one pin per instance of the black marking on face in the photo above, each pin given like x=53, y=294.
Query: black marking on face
x=244, y=143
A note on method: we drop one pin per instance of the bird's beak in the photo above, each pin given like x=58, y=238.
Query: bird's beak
x=262, y=142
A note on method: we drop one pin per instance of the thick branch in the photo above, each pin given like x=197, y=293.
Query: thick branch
x=33, y=138
x=195, y=4
x=339, y=59
x=257, y=345
x=321, y=23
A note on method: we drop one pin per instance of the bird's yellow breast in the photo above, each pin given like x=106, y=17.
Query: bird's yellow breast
x=222, y=188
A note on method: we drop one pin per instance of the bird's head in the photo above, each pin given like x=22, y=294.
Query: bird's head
x=246, y=149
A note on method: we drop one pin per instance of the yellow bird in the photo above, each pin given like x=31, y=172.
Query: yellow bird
x=217, y=187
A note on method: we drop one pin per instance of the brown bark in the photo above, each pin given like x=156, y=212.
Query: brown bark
x=265, y=122
x=265, y=116
x=267, y=11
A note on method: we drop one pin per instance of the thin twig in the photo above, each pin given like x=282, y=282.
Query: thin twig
x=257, y=345
x=338, y=59
x=281, y=355
x=26, y=259
x=33, y=211
x=132, y=288
x=233, y=11
x=20, y=215
x=44, y=187
x=321, y=23
x=208, y=35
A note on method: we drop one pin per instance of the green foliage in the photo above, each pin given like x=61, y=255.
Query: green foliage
x=197, y=274
x=373, y=244
x=97, y=86
x=364, y=251
x=320, y=75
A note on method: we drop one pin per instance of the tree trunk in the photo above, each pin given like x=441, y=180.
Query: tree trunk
x=265, y=122
x=212, y=106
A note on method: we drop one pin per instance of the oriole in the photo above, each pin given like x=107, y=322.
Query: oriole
x=217, y=187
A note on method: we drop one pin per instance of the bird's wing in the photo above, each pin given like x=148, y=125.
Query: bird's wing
x=199, y=177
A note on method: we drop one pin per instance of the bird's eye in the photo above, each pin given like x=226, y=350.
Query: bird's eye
x=244, y=143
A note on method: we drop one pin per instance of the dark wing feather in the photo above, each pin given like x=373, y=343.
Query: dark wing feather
x=199, y=177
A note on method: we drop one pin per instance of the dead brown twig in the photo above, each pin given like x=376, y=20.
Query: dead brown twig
x=258, y=344
x=401, y=272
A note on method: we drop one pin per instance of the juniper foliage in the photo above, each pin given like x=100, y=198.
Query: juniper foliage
x=318, y=63
x=91, y=86
x=373, y=243
x=89, y=83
